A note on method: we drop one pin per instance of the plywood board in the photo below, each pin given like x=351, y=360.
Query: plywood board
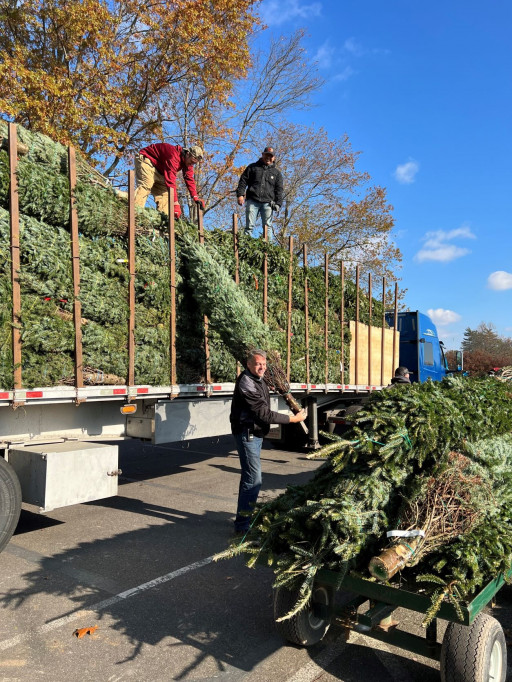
x=369, y=373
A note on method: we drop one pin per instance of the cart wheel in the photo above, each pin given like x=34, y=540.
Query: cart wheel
x=10, y=502
x=474, y=653
x=305, y=628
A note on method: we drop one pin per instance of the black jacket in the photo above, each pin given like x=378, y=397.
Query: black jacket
x=250, y=407
x=399, y=380
x=263, y=183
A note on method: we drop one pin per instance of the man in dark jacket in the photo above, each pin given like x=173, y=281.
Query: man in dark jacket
x=156, y=168
x=401, y=376
x=250, y=418
x=262, y=183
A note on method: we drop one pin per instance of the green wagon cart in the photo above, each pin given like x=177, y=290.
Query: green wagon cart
x=473, y=648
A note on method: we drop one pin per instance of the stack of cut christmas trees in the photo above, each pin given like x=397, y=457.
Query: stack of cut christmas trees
x=47, y=328
x=418, y=491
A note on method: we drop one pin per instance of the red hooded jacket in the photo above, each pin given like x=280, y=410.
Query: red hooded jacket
x=168, y=161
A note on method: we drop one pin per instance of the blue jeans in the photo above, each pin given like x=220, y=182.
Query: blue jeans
x=250, y=480
x=253, y=209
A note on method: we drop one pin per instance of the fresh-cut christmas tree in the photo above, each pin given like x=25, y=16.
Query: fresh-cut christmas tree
x=403, y=437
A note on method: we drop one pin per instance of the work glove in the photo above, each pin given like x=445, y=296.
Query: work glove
x=177, y=210
x=275, y=207
x=198, y=201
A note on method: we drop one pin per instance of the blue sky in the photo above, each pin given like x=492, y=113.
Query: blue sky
x=424, y=92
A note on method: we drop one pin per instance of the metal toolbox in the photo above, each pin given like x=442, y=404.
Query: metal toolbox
x=61, y=474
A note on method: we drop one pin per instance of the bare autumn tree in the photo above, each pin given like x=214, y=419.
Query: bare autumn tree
x=233, y=133
x=330, y=204
x=98, y=74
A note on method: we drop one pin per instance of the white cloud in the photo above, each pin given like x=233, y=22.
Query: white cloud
x=437, y=246
x=439, y=237
x=405, y=173
x=443, y=254
x=500, y=280
x=443, y=317
x=352, y=46
x=275, y=13
x=324, y=56
x=345, y=74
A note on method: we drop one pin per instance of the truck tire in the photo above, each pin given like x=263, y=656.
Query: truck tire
x=304, y=628
x=474, y=653
x=10, y=502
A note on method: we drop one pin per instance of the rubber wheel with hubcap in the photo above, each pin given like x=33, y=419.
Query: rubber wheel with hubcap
x=306, y=627
x=474, y=653
x=10, y=502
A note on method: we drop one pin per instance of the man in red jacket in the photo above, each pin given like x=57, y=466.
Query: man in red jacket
x=156, y=168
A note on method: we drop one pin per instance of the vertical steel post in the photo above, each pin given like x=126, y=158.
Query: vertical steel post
x=172, y=276
x=207, y=371
x=370, y=329
x=326, y=321
x=356, y=379
x=313, y=443
x=75, y=263
x=14, y=220
x=383, y=337
x=265, y=276
x=306, y=310
x=131, y=283
x=289, y=315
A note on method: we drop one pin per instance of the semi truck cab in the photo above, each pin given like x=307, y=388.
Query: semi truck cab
x=421, y=350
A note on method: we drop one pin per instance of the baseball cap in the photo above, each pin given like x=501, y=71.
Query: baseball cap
x=401, y=371
x=196, y=152
x=268, y=150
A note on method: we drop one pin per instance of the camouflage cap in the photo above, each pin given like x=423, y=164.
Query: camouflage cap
x=196, y=152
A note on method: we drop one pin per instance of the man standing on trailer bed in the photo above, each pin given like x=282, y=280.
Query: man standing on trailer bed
x=250, y=418
x=264, y=185
x=156, y=168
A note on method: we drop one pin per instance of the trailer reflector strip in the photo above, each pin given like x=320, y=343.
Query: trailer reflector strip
x=4, y=396
x=34, y=394
x=119, y=391
x=200, y=388
x=143, y=390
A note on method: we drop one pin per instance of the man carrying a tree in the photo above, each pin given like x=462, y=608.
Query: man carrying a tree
x=250, y=418
x=156, y=168
x=263, y=183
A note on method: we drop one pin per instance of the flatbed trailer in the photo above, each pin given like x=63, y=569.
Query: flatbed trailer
x=473, y=648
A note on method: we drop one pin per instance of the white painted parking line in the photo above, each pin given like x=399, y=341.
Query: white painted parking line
x=99, y=606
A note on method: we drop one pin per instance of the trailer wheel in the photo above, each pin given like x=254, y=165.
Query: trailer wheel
x=306, y=627
x=474, y=653
x=10, y=502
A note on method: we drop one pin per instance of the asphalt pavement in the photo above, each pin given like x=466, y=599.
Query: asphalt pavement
x=135, y=575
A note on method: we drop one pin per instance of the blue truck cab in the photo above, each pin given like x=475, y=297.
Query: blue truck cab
x=421, y=351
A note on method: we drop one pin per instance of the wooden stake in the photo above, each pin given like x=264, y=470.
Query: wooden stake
x=131, y=283
x=172, y=275
x=14, y=220
x=326, y=321
x=75, y=262
x=306, y=310
x=289, y=311
x=382, y=342
x=207, y=370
